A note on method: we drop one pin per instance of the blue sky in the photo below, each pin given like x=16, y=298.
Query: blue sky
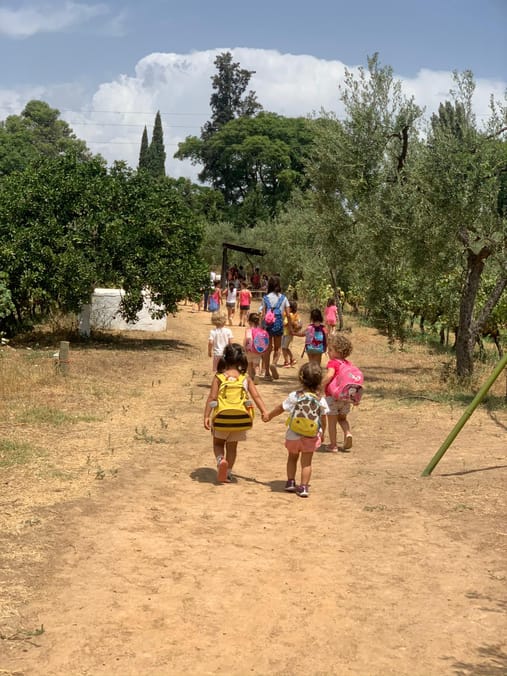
x=132, y=58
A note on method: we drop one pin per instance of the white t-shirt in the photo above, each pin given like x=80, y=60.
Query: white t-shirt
x=231, y=296
x=273, y=299
x=289, y=404
x=220, y=339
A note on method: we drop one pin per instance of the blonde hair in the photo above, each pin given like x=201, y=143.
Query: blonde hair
x=218, y=319
x=340, y=344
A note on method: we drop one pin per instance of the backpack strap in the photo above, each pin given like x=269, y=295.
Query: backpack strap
x=282, y=298
x=267, y=304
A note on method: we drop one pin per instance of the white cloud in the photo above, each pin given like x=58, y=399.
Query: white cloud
x=47, y=18
x=179, y=85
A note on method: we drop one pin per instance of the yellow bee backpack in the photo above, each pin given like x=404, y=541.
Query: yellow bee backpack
x=234, y=411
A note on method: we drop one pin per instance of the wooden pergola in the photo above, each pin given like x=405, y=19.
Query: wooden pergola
x=249, y=251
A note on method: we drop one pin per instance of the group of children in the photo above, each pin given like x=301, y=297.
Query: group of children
x=311, y=408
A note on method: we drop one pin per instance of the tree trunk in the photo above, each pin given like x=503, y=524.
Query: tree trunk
x=465, y=340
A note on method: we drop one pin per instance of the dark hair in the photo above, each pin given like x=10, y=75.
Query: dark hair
x=316, y=315
x=234, y=357
x=253, y=318
x=293, y=306
x=274, y=285
x=331, y=301
x=310, y=376
x=231, y=285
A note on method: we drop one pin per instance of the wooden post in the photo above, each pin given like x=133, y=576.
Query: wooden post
x=63, y=357
x=466, y=415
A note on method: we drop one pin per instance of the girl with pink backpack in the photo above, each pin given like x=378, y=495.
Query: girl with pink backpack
x=256, y=342
x=343, y=386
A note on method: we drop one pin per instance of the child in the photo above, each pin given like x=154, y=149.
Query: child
x=295, y=321
x=315, y=337
x=297, y=445
x=245, y=299
x=330, y=315
x=230, y=293
x=219, y=338
x=215, y=298
x=339, y=348
x=233, y=366
x=253, y=357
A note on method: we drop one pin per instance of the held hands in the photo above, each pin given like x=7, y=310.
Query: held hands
x=266, y=417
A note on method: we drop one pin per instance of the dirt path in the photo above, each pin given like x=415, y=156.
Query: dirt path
x=379, y=572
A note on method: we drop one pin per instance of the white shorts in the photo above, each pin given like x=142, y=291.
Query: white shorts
x=338, y=407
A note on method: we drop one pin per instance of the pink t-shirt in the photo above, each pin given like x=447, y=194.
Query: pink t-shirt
x=245, y=297
x=330, y=314
x=336, y=365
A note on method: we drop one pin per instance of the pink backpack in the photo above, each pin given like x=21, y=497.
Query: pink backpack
x=347, y=383
x=259, y=342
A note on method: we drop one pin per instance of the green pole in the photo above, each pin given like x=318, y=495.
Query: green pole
x=468, y=412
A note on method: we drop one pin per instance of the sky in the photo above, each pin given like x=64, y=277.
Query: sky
x=109, y=65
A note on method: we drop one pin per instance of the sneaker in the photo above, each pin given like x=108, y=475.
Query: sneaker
x=222, y=467
x=290, y=486
x=287, y=365
x=230, y=478
x=274, y=372
x=302, y=491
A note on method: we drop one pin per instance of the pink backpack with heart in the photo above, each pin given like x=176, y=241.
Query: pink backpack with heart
x=347, y=383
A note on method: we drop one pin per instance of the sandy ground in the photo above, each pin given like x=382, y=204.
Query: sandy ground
x=379, y=572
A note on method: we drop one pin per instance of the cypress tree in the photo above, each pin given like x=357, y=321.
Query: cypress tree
x=156, y=149
x=144, y=152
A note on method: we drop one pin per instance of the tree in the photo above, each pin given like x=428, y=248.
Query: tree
x=144, y=151
x=359, y=177
x=228, y=103
x=36, y=132
x=156, y=152
x=257, y=164
x=67, y=226
x=229, y=100
x=460, y=187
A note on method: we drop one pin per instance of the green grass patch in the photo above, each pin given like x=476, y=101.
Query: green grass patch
x=15, y=453
x=53, y=416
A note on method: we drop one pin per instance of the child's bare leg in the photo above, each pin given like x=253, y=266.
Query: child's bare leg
x=332, y=421
x=323, y=422
x=292, y=465
x=231, y=452
x=218, y=448
x=286, y=355
x=306, y=468
x=265, y=360
x=347, y=434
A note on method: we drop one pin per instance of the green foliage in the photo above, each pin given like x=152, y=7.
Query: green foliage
x=256, y=163
x=143, y=152
x=67, y=226
x=6, y=304
x=36, y=132
x=229, y=99
x=156, y=151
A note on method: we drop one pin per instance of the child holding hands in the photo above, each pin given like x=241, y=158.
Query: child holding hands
x=232, y=366
x=299, y=446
